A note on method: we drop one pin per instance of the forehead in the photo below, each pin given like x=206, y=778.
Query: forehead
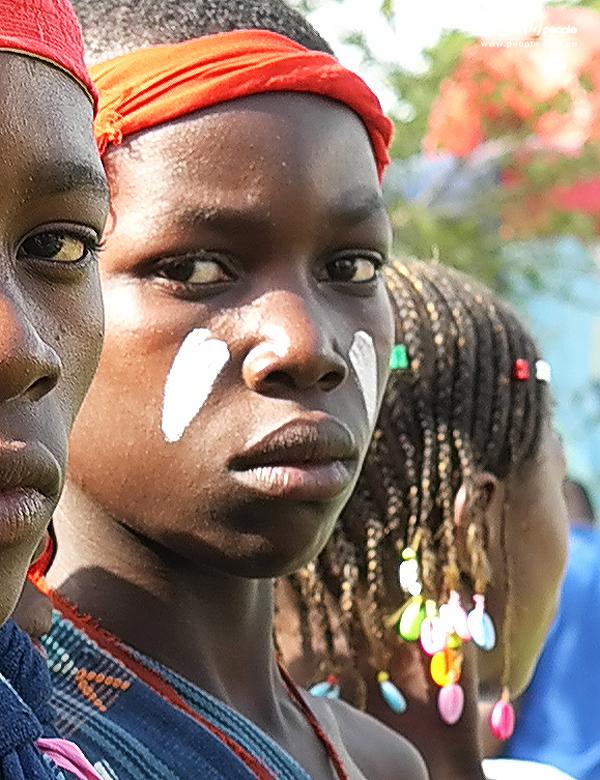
x=46, y=136
x=249, y=150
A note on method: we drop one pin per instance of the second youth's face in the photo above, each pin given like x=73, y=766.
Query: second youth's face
x=53, y=204
x=248, y=332
x=536, y=551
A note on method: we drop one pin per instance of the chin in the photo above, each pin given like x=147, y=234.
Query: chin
x=261, y=542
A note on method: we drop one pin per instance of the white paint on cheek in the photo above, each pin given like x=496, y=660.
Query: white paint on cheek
x=195, y=370
x=364, y=362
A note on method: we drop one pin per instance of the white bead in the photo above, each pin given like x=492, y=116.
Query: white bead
x=543, y=371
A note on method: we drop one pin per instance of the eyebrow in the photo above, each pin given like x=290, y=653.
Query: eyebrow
x=224, y=219
x=352, y=208
x=59, y=179
x=349, y=210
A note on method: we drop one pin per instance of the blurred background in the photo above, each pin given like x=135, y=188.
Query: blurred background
x=496, y=163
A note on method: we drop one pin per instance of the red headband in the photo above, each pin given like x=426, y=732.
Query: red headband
x=47, y=30
x=151, y=86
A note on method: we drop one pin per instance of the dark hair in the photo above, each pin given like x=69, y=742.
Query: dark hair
x=114, y=27
x=458, y=409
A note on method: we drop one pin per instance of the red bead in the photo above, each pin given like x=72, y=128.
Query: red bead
x=521, y=370
x=502, y=720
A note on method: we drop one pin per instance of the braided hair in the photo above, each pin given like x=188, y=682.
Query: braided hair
x=457, y=410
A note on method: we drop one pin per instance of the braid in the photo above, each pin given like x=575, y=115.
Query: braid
x=407, y=297
x=458, y=417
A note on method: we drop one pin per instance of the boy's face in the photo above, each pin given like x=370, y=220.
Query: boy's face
x=242, y=295
x=53, y=204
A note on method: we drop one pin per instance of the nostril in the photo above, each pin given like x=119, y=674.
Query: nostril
x=280, y=379
x=331, y=380
x=40, y=387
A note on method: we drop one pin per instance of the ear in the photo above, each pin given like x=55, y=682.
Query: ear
x=480, y=499
x=480, y=494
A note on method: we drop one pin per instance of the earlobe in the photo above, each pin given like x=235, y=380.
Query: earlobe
x=477, y=503
x=477, y=496
x=485, y=489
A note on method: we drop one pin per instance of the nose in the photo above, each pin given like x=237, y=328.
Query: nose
x=293, y=350
x=29, y=367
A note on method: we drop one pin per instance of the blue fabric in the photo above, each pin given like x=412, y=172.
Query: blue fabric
x=558, y=722
x=25, y=714
x=125, y=729
x=245, y=733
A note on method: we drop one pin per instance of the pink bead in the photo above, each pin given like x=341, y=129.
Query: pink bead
x=502, y=720
x=450, y=703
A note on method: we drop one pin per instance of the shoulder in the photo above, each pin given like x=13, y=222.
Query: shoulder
x=377, y=751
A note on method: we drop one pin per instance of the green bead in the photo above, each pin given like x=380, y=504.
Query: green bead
x=399, y=358
x=413, y=614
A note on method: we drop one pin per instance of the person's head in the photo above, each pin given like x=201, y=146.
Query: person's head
x=53, y=204
x=243, y=297
x=465, y=466
x=579, y=504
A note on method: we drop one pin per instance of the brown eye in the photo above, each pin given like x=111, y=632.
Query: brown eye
x=56, y=247
x=353, y=269
x=193, y=271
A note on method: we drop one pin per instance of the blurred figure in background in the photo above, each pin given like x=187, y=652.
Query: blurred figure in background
x=558, y=721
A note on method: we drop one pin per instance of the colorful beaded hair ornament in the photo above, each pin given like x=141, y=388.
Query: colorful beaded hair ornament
x=468, y=393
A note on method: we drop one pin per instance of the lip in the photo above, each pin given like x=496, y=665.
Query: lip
x=311, y=458
x=30, y=478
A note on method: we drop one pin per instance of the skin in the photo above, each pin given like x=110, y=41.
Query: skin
x=536, y=541
x=53, y=205
x=262, y=202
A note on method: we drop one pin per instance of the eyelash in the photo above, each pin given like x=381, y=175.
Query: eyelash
x=91, y=242
x=156, y=272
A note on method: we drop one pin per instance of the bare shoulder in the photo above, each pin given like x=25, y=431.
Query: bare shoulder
x=379, y=752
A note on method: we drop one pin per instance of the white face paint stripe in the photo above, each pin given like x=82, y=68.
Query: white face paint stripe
x=364, y=362
x=196, y=368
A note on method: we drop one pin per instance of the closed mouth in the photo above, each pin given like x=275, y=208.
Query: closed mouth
x=302, y=442
x=28, y=467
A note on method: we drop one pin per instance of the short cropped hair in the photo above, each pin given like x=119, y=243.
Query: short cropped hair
x=114, y=27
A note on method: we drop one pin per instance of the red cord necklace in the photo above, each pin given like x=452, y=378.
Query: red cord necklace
x=111, y=644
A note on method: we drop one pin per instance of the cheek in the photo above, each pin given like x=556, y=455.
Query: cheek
x=78, y=339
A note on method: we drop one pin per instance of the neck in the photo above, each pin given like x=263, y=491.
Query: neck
x=169, y=608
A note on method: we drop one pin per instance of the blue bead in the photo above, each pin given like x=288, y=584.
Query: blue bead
x=325, y=690
x=392, y=697
x=482, y=630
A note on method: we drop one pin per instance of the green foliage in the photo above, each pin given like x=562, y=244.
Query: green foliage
x=593, y=4
x=417, y=91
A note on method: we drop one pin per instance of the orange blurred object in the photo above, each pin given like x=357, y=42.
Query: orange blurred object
x=548, y=84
